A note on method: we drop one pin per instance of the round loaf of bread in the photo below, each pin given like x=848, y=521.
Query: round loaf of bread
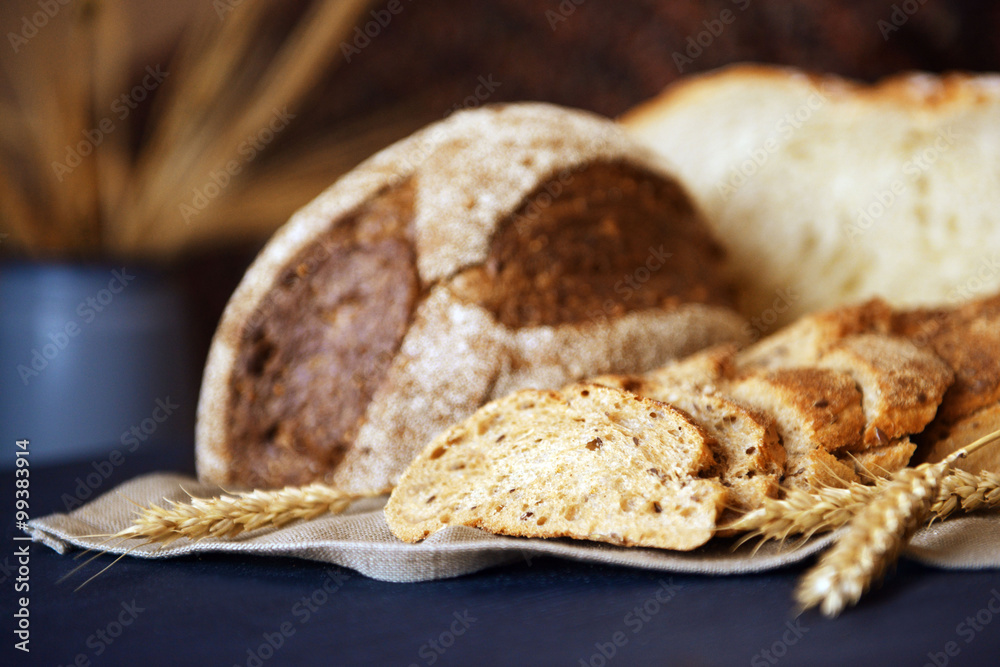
x=503, y=248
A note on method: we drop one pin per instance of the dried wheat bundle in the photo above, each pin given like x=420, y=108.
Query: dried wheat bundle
x=875, y=536
x=214, y=161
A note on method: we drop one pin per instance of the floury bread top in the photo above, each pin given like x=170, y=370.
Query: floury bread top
x=507, y=247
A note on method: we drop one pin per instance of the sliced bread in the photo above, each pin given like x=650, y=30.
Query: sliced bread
x=817, y=412
x=901, y=384
x=745, y=442
x=589, y=462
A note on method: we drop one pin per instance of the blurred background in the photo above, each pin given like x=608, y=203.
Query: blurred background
x=148, y=149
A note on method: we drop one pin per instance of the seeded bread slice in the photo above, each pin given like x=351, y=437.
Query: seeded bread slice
x=589, y=462
x=817, y=411
x=803, y=342
x=751, y=458
x=901, y=384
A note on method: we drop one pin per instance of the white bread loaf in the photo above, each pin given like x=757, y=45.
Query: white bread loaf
x=826, y=191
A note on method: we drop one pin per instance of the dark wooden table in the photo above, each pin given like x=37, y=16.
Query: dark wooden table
x=221, y=610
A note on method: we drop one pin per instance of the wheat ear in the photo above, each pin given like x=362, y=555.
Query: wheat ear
x=963, y=490
x=824, y=509
x=229, y=515
x=876, y=535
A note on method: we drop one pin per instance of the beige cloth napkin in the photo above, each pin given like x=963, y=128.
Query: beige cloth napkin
x=360, y=540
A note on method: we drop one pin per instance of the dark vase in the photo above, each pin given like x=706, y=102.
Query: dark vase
x=94, y=358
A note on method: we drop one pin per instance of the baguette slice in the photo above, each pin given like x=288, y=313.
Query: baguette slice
x=967, y=338
x=803, y=342
x=588, y=462
x=817, y=412
x=901, y=385
x=884, y=460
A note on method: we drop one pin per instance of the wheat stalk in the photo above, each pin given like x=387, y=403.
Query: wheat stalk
x=876, y=535
x=873, y=541
x=229, y=515
x=824, y=509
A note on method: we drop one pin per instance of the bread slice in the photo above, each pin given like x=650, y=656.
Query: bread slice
x=901, y=385
x=701, y=370
x=803, y=342
x=825, y=190
x=963, y=432
x=817, y=412
x=589, y=462
x=745, y=442
x=967, y=338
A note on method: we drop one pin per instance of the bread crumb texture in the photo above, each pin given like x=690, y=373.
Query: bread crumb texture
x=826, y=191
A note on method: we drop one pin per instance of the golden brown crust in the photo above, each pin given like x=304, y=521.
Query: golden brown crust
x=911, y=91
x=817, y=411
x=803, y=342
x=902, y=385
x=967, y=338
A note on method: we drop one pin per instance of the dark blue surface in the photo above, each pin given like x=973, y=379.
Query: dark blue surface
x=219, y=610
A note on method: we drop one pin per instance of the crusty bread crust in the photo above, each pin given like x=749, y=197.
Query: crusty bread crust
x=471, y=172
